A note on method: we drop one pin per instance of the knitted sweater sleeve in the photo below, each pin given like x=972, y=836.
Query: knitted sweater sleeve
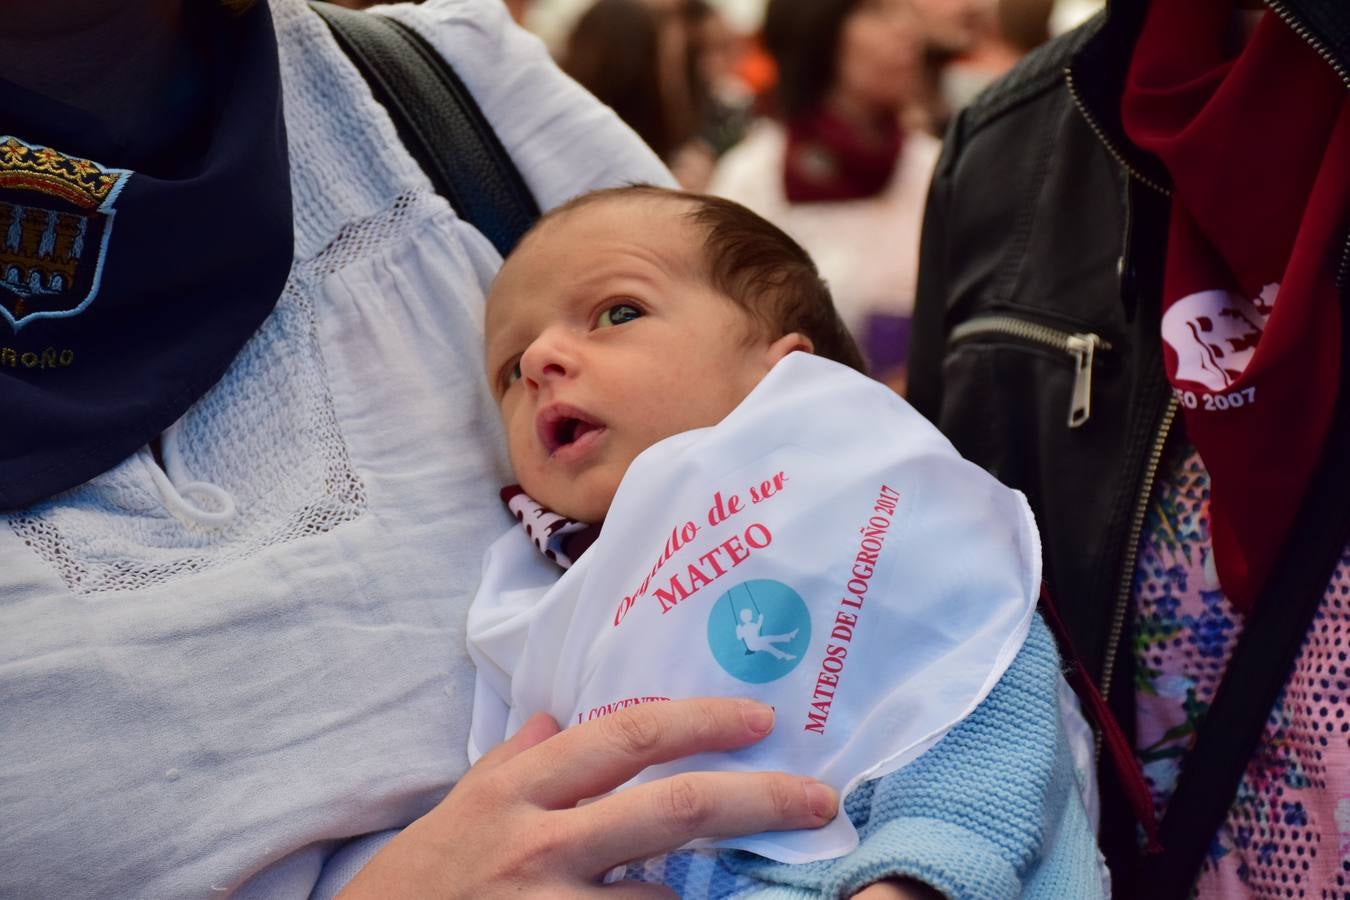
x=991, y=811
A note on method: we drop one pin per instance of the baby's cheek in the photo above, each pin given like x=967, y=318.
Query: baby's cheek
x=547, y=488
x=586, y=498
x=538, y=485
x=526, y=471
x=596, y=507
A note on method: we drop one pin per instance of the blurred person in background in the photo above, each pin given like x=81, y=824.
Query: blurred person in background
x=517, y=8
x=836, y=168
x=723, y=101
x=950, y=29
x=1023, y=25
x=614, y=51
x=1014, y=29
x=634, y=56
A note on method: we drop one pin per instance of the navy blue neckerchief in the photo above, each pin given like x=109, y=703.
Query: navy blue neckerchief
x=133, y=267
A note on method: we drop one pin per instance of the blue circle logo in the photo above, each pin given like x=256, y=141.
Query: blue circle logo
x=759, y=630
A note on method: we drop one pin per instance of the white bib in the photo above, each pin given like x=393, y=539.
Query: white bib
x=823, y=549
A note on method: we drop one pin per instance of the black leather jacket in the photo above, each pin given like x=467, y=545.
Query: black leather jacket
x=1037, y=344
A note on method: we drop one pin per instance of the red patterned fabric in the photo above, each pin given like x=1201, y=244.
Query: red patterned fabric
x=1251, y=317
x=559, y=538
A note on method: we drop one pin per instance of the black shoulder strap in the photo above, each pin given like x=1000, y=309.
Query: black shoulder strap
x=438, y=121
x=1257, y=670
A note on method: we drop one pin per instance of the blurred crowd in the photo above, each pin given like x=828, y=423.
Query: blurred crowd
x=824, y=116
x=826, y=119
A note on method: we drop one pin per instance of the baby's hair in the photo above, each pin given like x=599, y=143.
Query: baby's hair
x=755, y=264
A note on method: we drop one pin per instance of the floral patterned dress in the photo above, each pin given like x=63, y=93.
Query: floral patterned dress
x=1287, y=834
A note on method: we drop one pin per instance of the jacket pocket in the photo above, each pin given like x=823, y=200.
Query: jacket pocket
x=1077, y=349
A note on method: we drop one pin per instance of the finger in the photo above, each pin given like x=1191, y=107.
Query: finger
x=537, y=729
x=662, y=815
x=598, y=756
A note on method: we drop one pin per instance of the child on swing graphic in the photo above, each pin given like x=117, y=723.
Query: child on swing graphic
x=628, y=329
x=748, y=631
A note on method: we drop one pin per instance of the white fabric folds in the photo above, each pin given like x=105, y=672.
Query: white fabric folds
x=823, y=549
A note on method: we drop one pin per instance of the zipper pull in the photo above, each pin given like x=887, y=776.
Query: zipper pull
x=1081, y=347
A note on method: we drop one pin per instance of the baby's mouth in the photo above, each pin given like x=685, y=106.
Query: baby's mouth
x=562, y=426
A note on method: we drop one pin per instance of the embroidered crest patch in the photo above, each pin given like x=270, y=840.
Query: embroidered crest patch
x=56, y=216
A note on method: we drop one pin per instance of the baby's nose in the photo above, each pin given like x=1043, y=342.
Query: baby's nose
x=549, y=357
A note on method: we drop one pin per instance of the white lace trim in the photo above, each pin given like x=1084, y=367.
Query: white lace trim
x=258, y=461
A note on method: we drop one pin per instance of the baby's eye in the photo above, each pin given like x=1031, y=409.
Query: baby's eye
x=512, y=375
x=618, y=314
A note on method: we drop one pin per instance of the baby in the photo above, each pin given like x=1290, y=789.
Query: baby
x=709, y=332
x=631, y=316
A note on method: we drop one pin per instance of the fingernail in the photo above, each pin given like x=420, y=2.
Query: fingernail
x=821, y=799
x=758, y=716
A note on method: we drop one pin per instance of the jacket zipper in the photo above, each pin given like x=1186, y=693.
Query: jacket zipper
x=1154, y=460
x=1082, y=347
x=1169, y=415
x=1278, y=7
x=1106, y=142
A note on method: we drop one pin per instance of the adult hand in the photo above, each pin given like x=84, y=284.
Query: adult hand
x=513, y=826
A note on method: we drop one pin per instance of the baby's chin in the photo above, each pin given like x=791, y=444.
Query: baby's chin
x=574, y=502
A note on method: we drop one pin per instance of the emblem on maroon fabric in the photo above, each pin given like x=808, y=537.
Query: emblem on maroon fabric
x=56, y=216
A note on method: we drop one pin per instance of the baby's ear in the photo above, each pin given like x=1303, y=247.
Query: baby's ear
x=785, y=345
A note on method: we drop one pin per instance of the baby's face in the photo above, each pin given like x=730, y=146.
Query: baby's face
x=602, y=339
